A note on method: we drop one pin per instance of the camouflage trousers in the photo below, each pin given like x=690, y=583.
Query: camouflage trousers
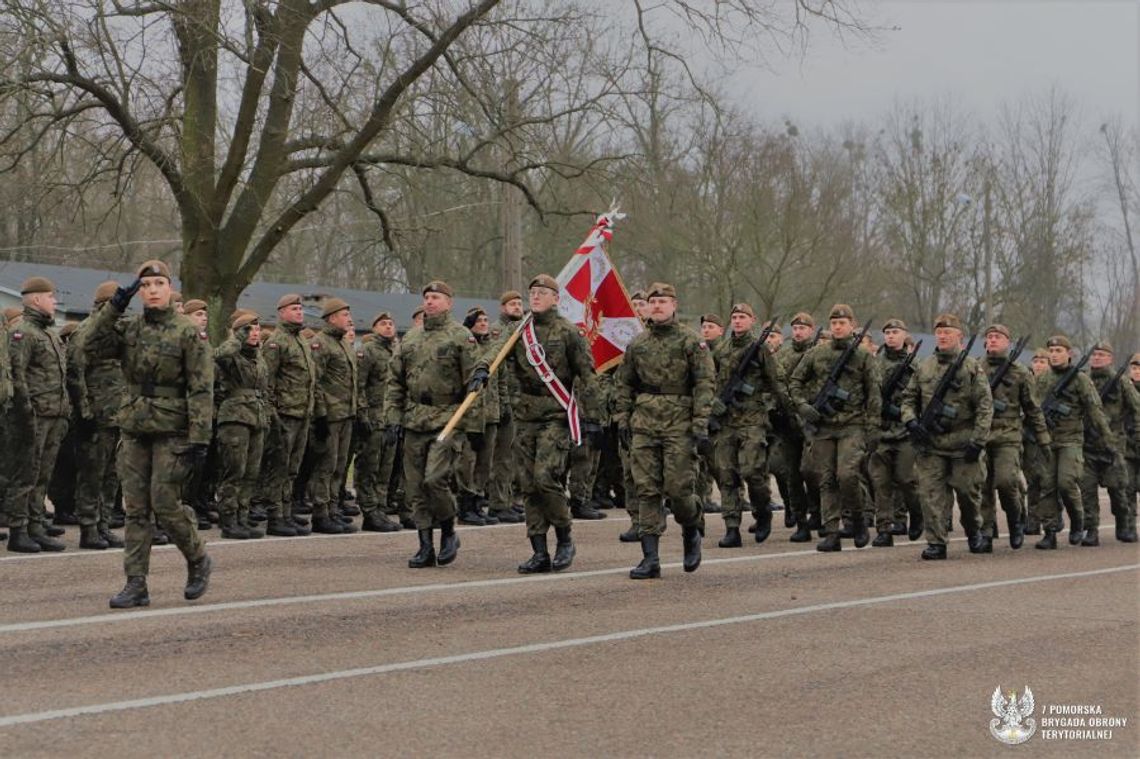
x=280, y=462
x=1003, y=475
x=476, y=463
x=892, y=469
x=500, y=485
x=1103, y=471
x=584, y=461
x=740, y=457
x=239, y=448
x=372, y=477
x=834, y=467
x=784, y=460
x=429, y=468
x=664, y=468
x=331, y=467
x=96, y=482
x=33, y=461
x=1061, y=485
x=941, y=479
x=153, y=472
x=1034, y=468
x=1132, y=494
x=542, y=450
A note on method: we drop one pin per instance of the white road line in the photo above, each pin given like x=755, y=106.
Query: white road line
x=357, y=595
x=531, y=648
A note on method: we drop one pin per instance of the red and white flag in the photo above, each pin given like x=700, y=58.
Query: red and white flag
x=594, y=298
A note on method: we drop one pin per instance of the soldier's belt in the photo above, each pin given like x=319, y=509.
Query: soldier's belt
x=439, y=399
x=671, y=388
x=151, y=390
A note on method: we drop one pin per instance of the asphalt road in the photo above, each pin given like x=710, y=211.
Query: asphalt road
x=332, y=646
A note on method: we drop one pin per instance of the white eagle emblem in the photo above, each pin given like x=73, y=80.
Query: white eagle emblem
x=1011, y=713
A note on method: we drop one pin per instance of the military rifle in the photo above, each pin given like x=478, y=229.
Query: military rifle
x=999, y=375
x=1053, y=407
x=895, y=382
x=736, y=386
x=1104, y=392
x=831, y=394
x=936, y=409
x=815, y=338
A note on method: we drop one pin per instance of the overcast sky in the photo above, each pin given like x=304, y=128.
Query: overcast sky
x=981, y=52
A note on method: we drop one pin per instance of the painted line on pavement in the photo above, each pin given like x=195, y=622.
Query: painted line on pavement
x=532, y=648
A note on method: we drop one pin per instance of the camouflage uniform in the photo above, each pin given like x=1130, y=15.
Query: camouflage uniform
x=500, y=484
x=1127, y=530
x=741, y=443
x=1104, y=464
x=663, y=395
x=40, y=416
x=944, y=465
x=335, y=402
x=429, y=373
x=291, y=376
x=375, y=459
x=837, y=447
x=1015, y=407
x=786, y=455
x=892, y=463
x=168, y=408
x=99, y=390
x=1065, y=462
x=240, y=390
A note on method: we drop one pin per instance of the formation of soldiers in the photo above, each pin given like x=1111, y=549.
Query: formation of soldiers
x=135, y=422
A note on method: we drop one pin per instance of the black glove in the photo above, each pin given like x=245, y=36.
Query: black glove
x=505, y=415
x=704, y=445
x=392, y=434
x=974, y=451
x=362, y=426
x=122, y=297
x=85, y=426
x=477, y=441
x=625, y=437
x=478, y=379
x=594, y=435
x=321, y=428
x=914, y=429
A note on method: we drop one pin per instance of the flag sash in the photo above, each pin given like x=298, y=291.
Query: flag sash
x=536, y=357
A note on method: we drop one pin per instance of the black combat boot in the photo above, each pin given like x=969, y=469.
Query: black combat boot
x=376, y=521
x=861, y=534
x=54, y=531
x=731, y=538
x=540, y=561
x=1049, y=542
x=448, y=542
x=425, y=557
x=974, y=541
x=789, y=519
x=111, y=539
x=89, y=537
x=19, y=542
x=1076, y=534
x=934, y=552
x=301, y=525
x=1128, y=536
x=1016, y=531
x=763, y=525
x=829, y=543
x=917, y=526
x=232, y=528
x=847, y=529
x=508, y=516
x=1091, y=538
x=467, y=512
x=985, y=544
x=133, y=594
x=327, y=526
x=884, y=539
x=581, y=510
x=712, y=507
x=279, y=528
x=630, y=535
x=197, y=577
x=691, y=540
x=898, y=528
x=564, y=550
x=802, y=533
x=201, y=513
x=815, y=521
x=650, y=565
x=255, y=533
x=45, y=541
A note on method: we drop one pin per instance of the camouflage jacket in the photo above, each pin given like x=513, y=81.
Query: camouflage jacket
x=1120, y=404
x=487, y=406
x=568, y=355
x=1015, y=404
x=98, y=386
x=372, y=370
x=969, y=397
x=508, y=390
x=1082, y=404
x=337, y=383
x=39, y=368
x=665, y=383
x=429, y=374
x=292, y=371
x=241, y=383
x=5, y=371
x=168, y=367
x=763, y=376
x=888, y=360
x=1132, y=424
x=863, y=409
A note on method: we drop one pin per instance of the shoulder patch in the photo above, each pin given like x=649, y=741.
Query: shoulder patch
x=203, y=335
x=315, y=346
x=274, y=346
x=17, y=335
x=360, y=354
x=471, y=339
x=703, y=345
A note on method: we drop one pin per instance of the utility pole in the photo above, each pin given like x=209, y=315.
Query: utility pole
x=511, y=204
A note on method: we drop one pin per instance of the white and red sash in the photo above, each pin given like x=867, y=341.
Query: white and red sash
x=536, y=357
